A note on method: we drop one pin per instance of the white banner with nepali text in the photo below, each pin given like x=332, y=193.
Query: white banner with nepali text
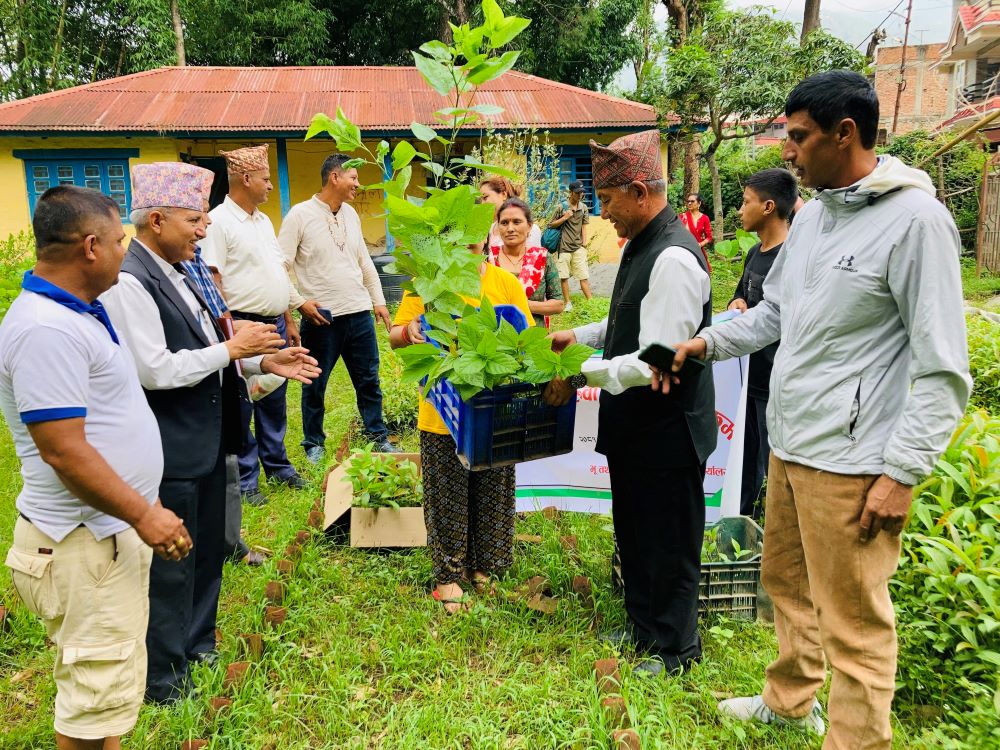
x=579, y=481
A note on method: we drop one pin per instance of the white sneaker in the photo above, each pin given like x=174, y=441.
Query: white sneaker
x=754, y=709
x=569, y=306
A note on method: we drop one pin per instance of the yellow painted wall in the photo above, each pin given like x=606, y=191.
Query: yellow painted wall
x=304, y=161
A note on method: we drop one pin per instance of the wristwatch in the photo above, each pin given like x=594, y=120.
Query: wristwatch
x=577, y=381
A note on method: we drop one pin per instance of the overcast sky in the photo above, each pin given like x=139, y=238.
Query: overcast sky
x=851, y=20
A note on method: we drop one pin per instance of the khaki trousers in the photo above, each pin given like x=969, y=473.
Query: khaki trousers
x=831, y=596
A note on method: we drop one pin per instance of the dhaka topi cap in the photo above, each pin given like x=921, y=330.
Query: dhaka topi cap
x=249, y=159
x=631, y=158
x=170, y=184
x=576, y=186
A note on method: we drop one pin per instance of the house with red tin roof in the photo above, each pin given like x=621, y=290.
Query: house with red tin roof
x=972, y=58
x=92, y=135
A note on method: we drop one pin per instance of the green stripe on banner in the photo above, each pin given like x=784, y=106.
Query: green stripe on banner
x=563, y=492
x=711, y=501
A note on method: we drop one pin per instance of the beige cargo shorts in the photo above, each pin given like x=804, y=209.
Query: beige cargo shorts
x=93, y=598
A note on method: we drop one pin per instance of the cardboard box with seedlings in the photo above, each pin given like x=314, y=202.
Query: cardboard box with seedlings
x=378, y=499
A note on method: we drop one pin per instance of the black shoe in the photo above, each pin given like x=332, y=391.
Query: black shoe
x=211, y=658
x=384, y=446
x=253, y=559
x=254, y=497
x=618, y=637
x=650, y=667
x=294, y=481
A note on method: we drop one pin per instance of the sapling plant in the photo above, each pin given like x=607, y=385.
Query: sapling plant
x=380, y=481
x=433, y=235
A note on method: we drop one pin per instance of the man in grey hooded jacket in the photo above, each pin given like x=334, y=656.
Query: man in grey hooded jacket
x=868, y=383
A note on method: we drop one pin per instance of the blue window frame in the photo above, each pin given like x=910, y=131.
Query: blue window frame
x=575, y=164
x=106, y=170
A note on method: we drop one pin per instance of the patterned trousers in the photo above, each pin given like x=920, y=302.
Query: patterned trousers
x=469, y=514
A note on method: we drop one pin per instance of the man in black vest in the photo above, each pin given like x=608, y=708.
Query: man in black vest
x=656, y=447
x=187, y=369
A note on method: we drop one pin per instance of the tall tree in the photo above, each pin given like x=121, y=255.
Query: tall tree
x=579, y=42
x=810, y=19
x=178, y=24
x=735, y=72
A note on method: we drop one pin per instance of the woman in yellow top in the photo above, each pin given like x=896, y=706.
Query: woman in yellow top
x=469, y=514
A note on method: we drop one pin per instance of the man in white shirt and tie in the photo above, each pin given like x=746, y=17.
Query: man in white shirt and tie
x=186, y=368
x=240, y=245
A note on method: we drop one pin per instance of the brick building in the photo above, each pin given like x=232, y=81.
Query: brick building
x=925, y=97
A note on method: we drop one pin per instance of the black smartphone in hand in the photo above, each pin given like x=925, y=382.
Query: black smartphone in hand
x=662, y=358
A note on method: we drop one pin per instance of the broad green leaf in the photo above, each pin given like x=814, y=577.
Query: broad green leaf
x=530, y=336
x=471, y=368
x=492, y=15
x=401, y=210
x=504, y=32
x=382, y=151
x=492, y=168
x=493, y=69
x=321, y=123
x=487, y=109
x=487, y=346
x=439, y=51
x=434, y=168
x=469, y=335
x=442, y=322
x=422, y=132
x=354, y=164
x=477, y=224
x=418, y=352
x=450, y=303
x=347, y=133
x=571, y=358
x=501, y=364
x=441, y=337
x=402, y=155
x=436, y=74
x=507, y=336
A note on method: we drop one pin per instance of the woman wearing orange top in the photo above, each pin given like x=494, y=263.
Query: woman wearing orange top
x=469, y=514
x=698, y=224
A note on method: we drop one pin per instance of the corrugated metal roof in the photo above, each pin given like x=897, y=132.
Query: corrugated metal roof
x=249, y=100
x=972, y=113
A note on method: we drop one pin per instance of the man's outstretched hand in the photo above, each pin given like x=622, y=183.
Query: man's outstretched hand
x=292, y=363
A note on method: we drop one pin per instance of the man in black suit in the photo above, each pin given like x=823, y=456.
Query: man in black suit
x=192, y=379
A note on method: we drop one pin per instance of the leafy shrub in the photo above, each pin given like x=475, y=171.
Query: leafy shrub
x=984, y=363
x=17, y=255
x=947, y=590
x=738, y=246
x=400, y=401
x=380, y=481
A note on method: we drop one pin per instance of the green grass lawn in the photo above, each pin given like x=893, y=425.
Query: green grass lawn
x=368, y=660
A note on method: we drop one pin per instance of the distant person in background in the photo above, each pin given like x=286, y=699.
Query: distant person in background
x=572, y=256
x=495, y=191
x=768, y=200
x=698, y=224
x=534, y=266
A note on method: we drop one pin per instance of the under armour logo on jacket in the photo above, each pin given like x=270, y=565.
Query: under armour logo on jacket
x=846, y=263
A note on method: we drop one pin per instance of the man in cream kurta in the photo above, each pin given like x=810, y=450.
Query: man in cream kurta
x=243, y=249
x=338, y=287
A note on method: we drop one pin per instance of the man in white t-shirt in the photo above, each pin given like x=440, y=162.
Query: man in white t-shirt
x=241, y=246
x=91, y=462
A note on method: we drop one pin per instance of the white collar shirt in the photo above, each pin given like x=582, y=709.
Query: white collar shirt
x=244, y=249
